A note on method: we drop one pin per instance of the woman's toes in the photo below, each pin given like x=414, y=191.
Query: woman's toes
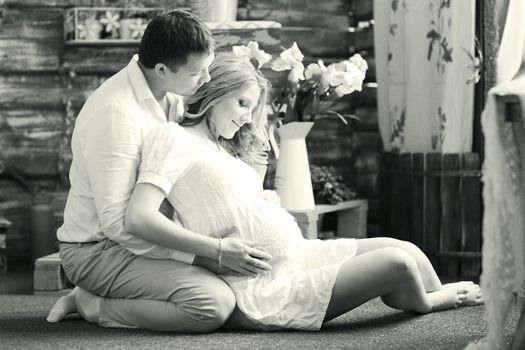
x=458, y=285
x=474, y=296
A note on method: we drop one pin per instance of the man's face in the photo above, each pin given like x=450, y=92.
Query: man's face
x=190, y=76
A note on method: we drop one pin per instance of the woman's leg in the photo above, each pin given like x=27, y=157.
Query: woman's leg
x=392, y=274
x=428, y=274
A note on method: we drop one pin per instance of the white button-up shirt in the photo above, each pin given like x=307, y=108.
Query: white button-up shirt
x=106, y=145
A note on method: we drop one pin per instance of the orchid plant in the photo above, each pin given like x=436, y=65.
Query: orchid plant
x=308, y=93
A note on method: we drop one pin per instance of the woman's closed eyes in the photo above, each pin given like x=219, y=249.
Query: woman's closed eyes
x=244, y=103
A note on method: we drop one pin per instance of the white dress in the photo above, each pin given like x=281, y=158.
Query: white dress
x=212, y=191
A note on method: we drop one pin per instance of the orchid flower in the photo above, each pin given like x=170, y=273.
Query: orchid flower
x=311, y=91
x=318, y=73
x=291, y=59
x=252, y=51
x=352, y=81
x=357, y=60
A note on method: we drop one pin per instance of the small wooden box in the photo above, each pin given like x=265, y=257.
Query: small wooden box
x=351, y=218
x=4, y=224
x=49, y=274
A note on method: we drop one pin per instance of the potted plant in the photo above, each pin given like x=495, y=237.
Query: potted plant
x=308, y=94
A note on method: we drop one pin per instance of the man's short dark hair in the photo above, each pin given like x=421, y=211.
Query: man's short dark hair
x=172, y=37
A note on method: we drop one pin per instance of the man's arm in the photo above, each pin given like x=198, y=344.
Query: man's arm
x=212, y=265
x=111, y=143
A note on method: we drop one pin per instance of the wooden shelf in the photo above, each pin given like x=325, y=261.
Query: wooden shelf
x=103, y=42
x=243, y=25
x=351, y=218
x=75, y=17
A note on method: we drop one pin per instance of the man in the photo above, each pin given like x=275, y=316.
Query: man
x=123, y=280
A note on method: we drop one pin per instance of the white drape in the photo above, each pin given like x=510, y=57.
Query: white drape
x=424, y=53
x=511, y=51
x=503, y=227
x=503, y=192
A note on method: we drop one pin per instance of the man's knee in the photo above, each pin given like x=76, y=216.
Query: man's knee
x=210, y=308
x=222, y=303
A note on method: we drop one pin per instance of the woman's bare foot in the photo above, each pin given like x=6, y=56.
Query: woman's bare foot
x=63, y=306
x=447, y=298
x=474, y=296
x=459, y=285
x=88, y=305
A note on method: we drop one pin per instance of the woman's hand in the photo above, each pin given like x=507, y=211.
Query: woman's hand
x=271, y=196
x=240, y=256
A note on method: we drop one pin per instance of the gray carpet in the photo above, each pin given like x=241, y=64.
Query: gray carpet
x=371, y=326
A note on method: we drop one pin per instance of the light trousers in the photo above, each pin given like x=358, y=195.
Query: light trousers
x=154, y=294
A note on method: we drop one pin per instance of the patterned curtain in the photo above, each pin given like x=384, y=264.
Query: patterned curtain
x=426, y=70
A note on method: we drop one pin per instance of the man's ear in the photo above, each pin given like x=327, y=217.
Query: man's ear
x=161, y=69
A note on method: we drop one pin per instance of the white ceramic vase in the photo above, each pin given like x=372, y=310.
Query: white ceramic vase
x=292, y=178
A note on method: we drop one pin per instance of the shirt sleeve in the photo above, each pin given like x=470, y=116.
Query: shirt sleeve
x=166, y=156
x=111, y=142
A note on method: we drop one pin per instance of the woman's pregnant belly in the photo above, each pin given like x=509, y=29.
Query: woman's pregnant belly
x=274, y=230
x=271, y=227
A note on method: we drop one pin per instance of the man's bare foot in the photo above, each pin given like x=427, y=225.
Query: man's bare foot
x=63, y=306
x=474, y=296
x=88, y=305
x=447, y=298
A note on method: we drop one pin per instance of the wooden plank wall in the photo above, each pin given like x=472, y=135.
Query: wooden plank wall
x=434, y=200
x=31, y=111
x=321, y=30
x=44, y=83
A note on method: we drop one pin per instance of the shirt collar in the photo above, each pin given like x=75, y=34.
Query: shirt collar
x=138, y=81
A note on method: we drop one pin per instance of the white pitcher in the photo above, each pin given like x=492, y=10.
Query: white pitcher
x=292, y=178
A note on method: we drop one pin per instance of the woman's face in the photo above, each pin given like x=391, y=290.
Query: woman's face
x=235, y=110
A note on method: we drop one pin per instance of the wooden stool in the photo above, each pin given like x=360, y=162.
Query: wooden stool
x=49, y=274
x=351, y=218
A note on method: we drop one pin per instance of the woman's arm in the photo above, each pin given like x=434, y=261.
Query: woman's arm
x=144, y=220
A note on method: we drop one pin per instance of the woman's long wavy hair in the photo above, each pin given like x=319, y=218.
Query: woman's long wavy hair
x=229, y=73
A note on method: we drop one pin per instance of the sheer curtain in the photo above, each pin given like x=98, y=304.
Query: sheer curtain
x=424, y=64
x=503, y=192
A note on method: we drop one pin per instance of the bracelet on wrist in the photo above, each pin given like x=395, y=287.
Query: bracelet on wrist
x=220, y=253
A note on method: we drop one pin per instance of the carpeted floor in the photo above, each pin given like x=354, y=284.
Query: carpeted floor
x=371, y=326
